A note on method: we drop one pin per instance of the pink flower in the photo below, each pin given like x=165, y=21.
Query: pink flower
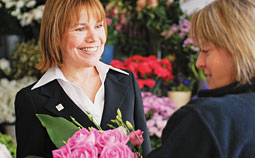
x=152, y=3
x=63, y=152
x=118, y=26
x=169, y=2
x=116, y=151
x=108, y=21
x=112, y=137
x=133, y=137
x=85, y=151
x=82, y=137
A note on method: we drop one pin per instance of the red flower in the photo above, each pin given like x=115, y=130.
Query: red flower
x=144, y=68
x=140, y=83
x=118, y=64
x=149, y=82
x=136, y=141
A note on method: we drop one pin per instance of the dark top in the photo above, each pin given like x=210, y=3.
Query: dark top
x=218, y=124
x=121, y=91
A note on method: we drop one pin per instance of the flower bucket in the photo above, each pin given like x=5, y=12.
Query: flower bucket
x=179, y=98
x=107, y=54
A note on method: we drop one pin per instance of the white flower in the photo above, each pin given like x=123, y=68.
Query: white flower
x=8, y=90
x=8, y=4
x=5, y=64
x=20, y=4
x=24, y=10
x=4, y=152
x=31, y=4
x=16, y=12
x=38, y=12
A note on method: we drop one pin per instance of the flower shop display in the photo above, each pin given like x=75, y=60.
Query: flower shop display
x=117, y=18
x=157, y=111
x=26, y=11
x=7, y=146
x=8, y=90
x=118, y=14
x=155, y=16
x=73, y=140
x=149, y=71
x=24, y=60
x=27, y=15
x=180, y=50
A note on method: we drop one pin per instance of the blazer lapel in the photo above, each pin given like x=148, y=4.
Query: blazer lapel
x=70, y=109
x=115, y=92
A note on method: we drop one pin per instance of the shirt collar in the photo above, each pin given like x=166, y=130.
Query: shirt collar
x=56, y=73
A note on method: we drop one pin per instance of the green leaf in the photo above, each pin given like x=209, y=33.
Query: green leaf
x=58, y=128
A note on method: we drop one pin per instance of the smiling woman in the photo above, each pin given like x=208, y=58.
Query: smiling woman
x=73, y=34
x=218, y=65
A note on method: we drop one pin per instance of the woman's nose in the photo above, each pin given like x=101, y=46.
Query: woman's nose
x=91, y=36
x=200, y=63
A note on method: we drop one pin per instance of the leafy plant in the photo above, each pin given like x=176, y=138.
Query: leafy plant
x=9, y=142
x=24, y=60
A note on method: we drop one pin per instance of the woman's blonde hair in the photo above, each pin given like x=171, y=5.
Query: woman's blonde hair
x=229, y=24
x=58, y=16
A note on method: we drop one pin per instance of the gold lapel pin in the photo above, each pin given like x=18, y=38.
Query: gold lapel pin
x=59, y=107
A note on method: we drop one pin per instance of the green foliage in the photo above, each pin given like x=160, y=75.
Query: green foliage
x=8, y=141
x=155, y=142
x=58, y=128
x=24, y=60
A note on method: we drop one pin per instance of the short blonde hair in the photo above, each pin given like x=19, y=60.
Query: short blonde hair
x=229, y=24
x=58, y=16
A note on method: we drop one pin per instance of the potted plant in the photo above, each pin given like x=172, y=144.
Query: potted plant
x=149, y=71
x=180, y=90
x=117, y=18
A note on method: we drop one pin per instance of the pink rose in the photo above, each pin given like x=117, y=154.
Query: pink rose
x=85, y=151
x=112, y=137
x=63, y=152
x=134, y=139
x=116, y=151
x=83, y=136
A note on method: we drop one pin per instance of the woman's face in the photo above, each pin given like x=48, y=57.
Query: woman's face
x=82, y=45
x=217, y=64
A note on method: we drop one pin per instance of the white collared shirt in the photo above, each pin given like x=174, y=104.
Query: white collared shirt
x=77, y=95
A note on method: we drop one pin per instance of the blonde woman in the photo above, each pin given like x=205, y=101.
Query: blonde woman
x=73, y=34
x=220, y=122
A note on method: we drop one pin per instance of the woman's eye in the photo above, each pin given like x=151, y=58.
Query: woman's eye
x=80, y=29
x=99, y=25
x=204, y=50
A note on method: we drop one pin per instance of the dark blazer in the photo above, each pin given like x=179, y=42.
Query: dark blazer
x=121, y=91
x=218, y=124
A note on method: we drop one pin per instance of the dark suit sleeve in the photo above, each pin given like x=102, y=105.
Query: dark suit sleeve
x=139, y=118
x=30, y=133
x=185, y=136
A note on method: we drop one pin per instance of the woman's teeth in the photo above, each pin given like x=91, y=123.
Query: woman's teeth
x=89, y=49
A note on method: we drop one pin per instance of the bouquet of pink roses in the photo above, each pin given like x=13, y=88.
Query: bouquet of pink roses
x=78, y=142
